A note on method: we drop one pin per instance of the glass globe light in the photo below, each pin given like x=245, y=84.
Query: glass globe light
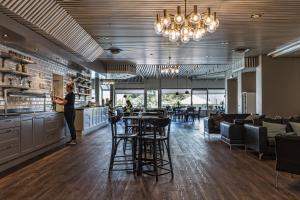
x=166, y=20
x=166, y=32
x=173, y=37
x=178, y=33
x=215, y=21
x=212, y=28
x=158, y=27
x=185, y=29
x=185, y=38
x=199, y=32
x=177, y=70
x=195, y=16
x=208, y=19
x=191, y=33
x=179, y=18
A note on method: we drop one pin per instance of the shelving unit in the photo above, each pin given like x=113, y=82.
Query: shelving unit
x=11, y=71
x=5, y=55
x=4, y=71
x=82, y=82
x=14, y=87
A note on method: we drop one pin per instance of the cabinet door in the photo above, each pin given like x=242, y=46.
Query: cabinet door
x=27, y=141
x=39, y=132
x=9, y=144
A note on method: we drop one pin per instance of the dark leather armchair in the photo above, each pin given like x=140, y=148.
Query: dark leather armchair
x=287, y=155
x=232, y=134
x=211, y=126
x=232, y=129
x=256, y=138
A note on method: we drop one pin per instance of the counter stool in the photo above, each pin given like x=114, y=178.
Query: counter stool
x=116, y=139
x=159, y=139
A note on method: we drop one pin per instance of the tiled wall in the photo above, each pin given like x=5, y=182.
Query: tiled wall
x=41, y=77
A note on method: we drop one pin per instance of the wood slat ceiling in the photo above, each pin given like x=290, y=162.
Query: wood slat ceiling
x=146, y=71
x=129, y=25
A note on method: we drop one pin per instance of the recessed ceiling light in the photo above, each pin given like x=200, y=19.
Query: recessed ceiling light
x=256, y=15
x=241, y=50
x=225, y=43
x=151, y=54
x=5, y=35
x=207, y=56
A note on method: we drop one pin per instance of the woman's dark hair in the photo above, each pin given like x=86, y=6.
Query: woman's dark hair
x=70, y=85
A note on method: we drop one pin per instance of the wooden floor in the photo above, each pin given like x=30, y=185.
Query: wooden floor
x=204, y=169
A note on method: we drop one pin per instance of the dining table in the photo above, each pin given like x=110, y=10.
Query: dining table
x=140, y=120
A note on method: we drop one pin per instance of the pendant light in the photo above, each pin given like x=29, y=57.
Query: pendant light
x=187, y=91
x=177, y=93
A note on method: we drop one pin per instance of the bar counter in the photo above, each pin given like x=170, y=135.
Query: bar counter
x=90, y=119
x=25, y=136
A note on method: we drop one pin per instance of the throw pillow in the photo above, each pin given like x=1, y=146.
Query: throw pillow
x=249, y=117
x=296, y=127
x=275, y=129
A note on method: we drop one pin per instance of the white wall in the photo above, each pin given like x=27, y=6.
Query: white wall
x=279, y=82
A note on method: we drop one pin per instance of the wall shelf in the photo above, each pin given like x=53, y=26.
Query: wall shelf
x=5, y=55
x=27, y=94
x=14, y=87
x=11, y=71
x=81, y=79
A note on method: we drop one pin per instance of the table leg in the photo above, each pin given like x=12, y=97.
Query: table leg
x=139, y=171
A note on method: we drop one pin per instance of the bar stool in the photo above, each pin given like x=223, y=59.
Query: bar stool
x=116, y=139
x=159, y=139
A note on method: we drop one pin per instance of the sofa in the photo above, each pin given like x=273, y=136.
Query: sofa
x=256, y=136
x=212, y=123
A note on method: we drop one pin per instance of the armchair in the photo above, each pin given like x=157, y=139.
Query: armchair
x=287, y=155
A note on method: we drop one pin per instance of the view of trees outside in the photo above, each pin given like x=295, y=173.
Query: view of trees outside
x=200, y=99
x=169, y=97
x=136, y=97
x=216, y=98
x=152, y=98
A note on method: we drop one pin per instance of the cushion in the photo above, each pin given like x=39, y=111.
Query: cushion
x=296, y=127
x=275, y=129
x=250, y=117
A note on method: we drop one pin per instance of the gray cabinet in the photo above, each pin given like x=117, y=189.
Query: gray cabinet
x=39, y=131
x=9, y=139
x=54, y=127
x=27, y=137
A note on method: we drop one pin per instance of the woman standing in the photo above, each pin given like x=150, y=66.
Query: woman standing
x=69, y=109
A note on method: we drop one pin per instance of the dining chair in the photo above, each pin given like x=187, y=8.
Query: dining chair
x=160, y=138
x=117, y=137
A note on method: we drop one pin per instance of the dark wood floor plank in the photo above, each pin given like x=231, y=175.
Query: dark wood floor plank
x=204, y=168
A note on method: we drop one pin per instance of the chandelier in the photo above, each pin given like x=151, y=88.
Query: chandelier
x=170, y=69
x=185, y=27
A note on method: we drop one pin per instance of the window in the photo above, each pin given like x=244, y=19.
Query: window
x=216, y=99
x=136, y=97
x=200, y=99
x=169, y=97
x=105, y=90
x=152, y=98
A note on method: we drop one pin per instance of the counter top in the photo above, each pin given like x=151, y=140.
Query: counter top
x=11, y=115
x=90, y=107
